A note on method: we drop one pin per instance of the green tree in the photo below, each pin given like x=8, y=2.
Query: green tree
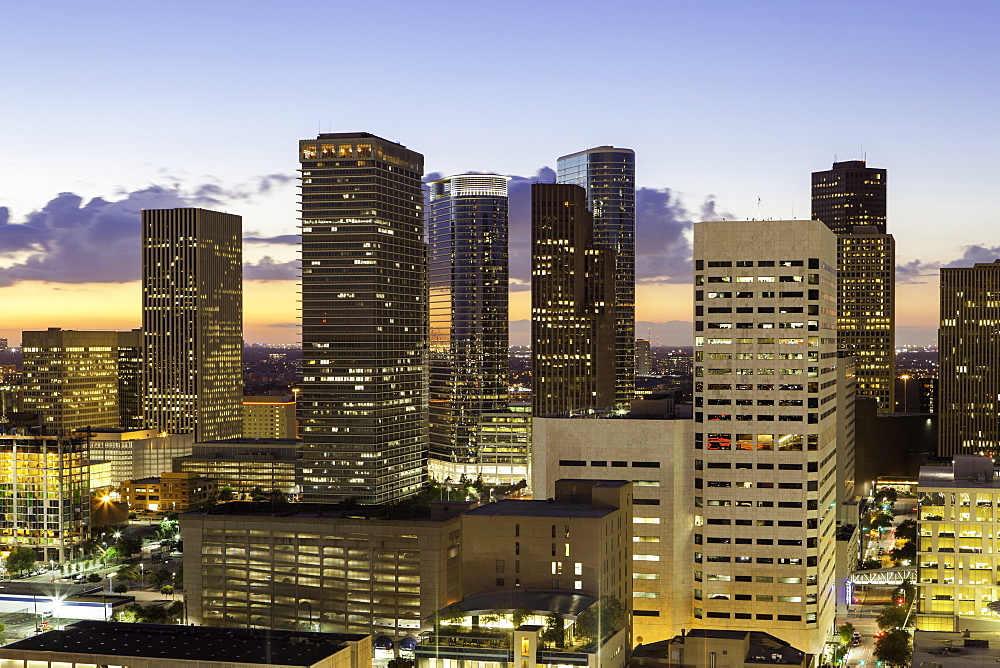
x=129, y=545
x=129, y=614
x=121, y=588
x=907, y=530
x=607, y=616
x=178, y=579
x=175, y=612
x=400, y=663
x=894, y=648
x=160, y=577
x=555, y=631
x=907, y=590
x=226, y=493
x=892, y=616
x=167, y=590
x=20, y=559
x=93, y=577
x=908, y=552
x=880, y=520
x=519, y=615
x=128, y=572
x=846, y=632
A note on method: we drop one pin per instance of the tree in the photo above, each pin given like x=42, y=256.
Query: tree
x=128, y=572
x=129, y=614
x=121, y=588
x=226, y=493
x=605, y=617
x=880, y=520
x=160, y=577
x=179, y=578
x=20, y=559
x=175, y=612
x=907, y=590
x=894, y=648
x=167, y=590
x=129, y=545
x=93, y=577
x=892, y=617
x=519, y=615
x=555, y=631
x=846, y=632
x=906, y=530
x=908, y=552
x=400, y=663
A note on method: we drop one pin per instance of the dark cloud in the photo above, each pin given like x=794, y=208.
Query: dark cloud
x=290, y=239
x=267, y=269
x=73, y=241
x=918, y=270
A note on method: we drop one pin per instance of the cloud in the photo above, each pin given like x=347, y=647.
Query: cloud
x=269, y=270
x=914, y=271
x=98, y=241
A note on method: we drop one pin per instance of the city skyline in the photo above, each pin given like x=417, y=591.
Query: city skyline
x=735, y=129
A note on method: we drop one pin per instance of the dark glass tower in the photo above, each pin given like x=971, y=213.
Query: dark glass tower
x=851, y=200
x=468, y=316
x=572, y=314
x=192, y=322
x=608, y=176
x=363, y=405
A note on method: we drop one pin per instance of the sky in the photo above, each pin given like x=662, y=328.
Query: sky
x=111, y=107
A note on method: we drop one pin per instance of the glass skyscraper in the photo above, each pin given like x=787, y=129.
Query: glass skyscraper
x=608, y=176
x=363, y=405
x=467, y=233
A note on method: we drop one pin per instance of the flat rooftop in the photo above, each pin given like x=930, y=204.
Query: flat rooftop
x=948, y=648
x=944, y=476
x=194, y=643
x=540, y=601
x=535, y=508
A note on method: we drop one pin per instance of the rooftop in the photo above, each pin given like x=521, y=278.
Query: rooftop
x=285, y=648
x=949, y=648
x=536, y=508
x=944, y=476
x=540, y=601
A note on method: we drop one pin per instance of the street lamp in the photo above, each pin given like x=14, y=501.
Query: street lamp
x=905, y=378
x=111, y=577
x=142, y=574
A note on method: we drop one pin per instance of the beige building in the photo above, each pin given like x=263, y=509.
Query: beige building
x=958, y=553
x=527, y=565
x=654, y=454
x=175, y=492
x=70, y=378
x=137, y=453
x=766, y=429
x=313, y=566
x=269, y=417
x=699, y=648
x=192, y=322
x=89, y=644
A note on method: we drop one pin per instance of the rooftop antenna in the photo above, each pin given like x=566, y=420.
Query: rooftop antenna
x=758, y=206
x=793, y=209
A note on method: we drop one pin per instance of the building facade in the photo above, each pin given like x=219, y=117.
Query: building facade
x=130, y=356
x=169, y=491
x=245, y=466
x=765, y=428
x=317, y=567
x=269, y=417
x=45, y=503
x=958, y=549
x=363, y=404
x=70, y=379
x=850, y=199
x=504, y=439
x=654, y=454
x=467, y=234
x=572, y=305
x=192, y=322
x=969, y=359
x=643, y=358
x=608, y=175
x=137, y=453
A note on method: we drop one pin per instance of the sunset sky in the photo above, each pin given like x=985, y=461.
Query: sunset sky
x=112, y=107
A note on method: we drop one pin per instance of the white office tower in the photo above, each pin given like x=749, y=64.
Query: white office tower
x=765, y=430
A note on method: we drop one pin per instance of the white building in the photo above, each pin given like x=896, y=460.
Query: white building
x=765, y=432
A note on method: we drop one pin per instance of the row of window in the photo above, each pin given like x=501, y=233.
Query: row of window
x=614, y=463
x=700, y=280
x=725, y=441
x=700, y=264
x=699, y=295
x=814, y=341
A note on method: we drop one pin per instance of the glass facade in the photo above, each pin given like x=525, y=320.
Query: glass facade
x=608, y=175
x=467, y=221
x=363, y=405
x=192, y=322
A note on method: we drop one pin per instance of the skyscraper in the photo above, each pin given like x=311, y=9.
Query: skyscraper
x=969, y=353
x=468, y=316
x=363, y=405
x=643, y=358
x=765, y=428
x=130, y=379
x=192, y=322
x=851, y=200
x=572, y=313
x=608, y=175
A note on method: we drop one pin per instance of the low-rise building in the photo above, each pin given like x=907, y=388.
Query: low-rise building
x=137, y=453
x=958, y=549
x=719, y=648
x=244, y=464
x=269, y=417
x=91, y=643
x=176, y=492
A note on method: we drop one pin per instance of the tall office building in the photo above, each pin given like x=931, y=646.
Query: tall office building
x=643, y=358
x=572, y=313
x=851, y=200
x=467, y=234
x=363, y=405
x=608, y=175
x=70, y=379
x=969, y=358
x=192, y=322
x=130, y=379
x=765, y=431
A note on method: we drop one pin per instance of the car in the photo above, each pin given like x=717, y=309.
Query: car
x=856, y=639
